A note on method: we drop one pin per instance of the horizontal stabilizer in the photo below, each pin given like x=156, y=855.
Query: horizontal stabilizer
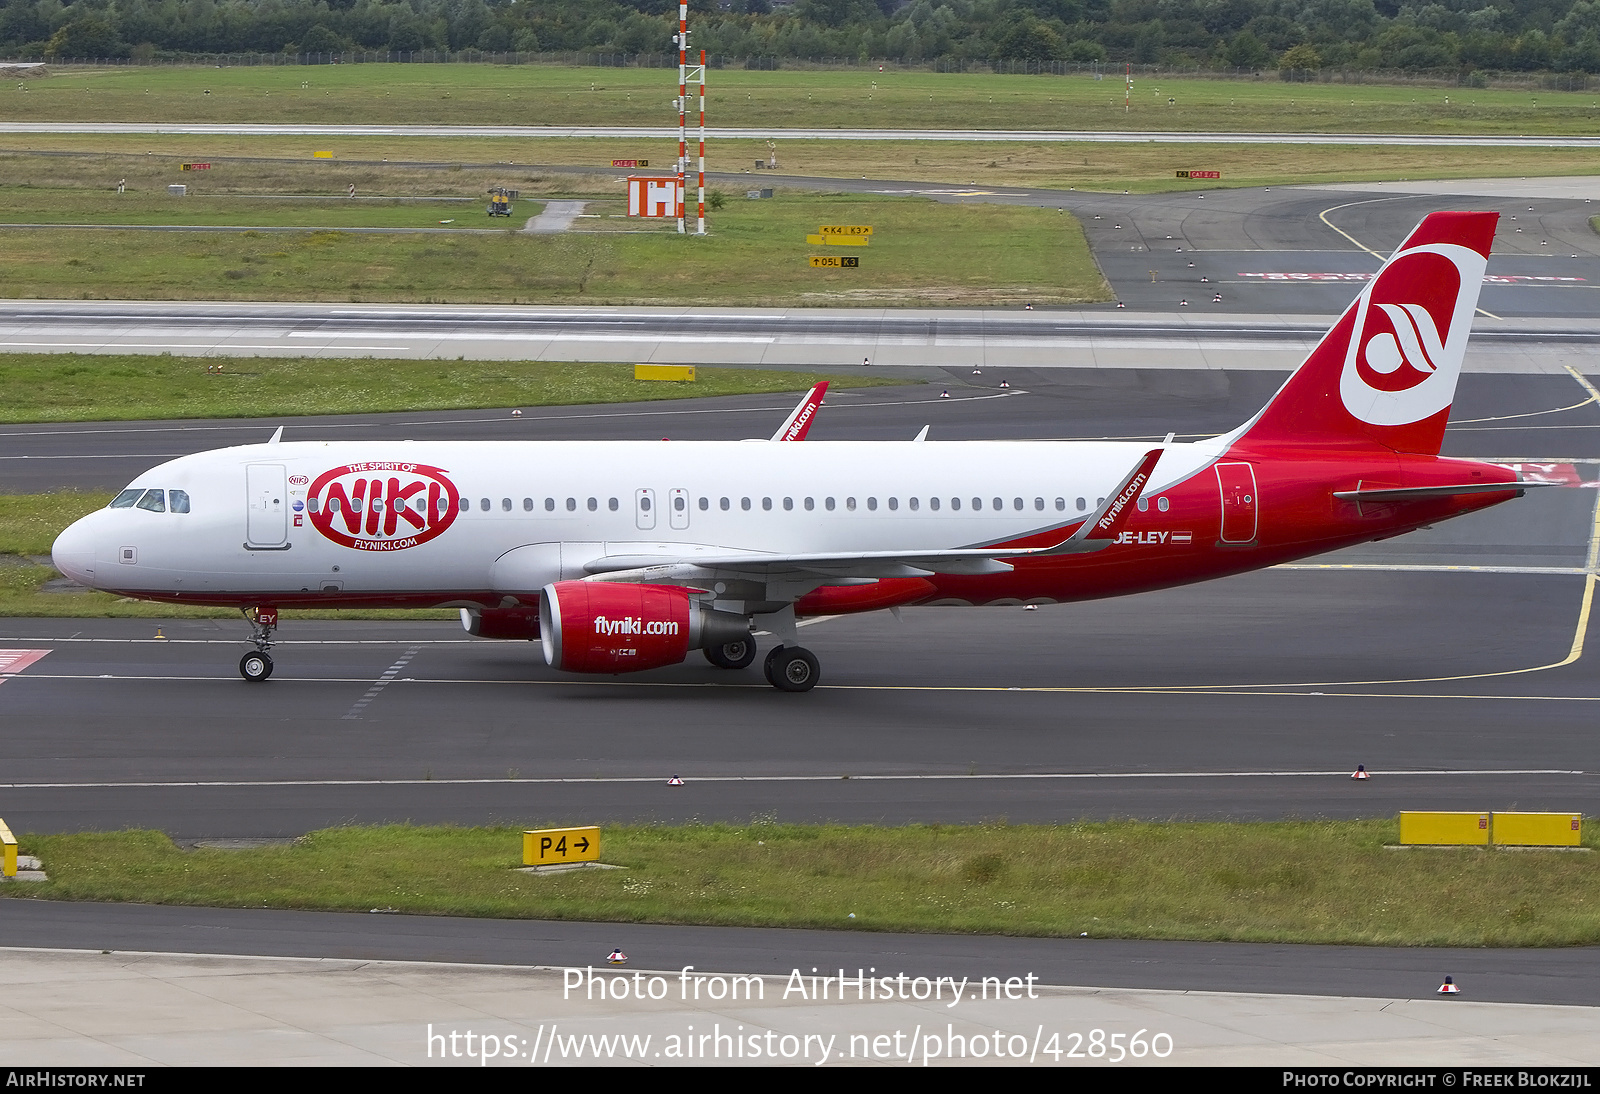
x=1407, y=493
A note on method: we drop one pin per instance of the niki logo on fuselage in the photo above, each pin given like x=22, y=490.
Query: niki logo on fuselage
x=382, y=506
x=1398, y=369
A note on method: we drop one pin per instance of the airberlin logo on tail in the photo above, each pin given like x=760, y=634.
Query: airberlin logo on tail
x=382, y=506
x=1399, y=367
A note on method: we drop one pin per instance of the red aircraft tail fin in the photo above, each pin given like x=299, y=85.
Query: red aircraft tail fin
x=1386, y=372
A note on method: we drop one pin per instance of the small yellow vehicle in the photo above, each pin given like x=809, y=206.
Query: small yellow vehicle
x=500, y=200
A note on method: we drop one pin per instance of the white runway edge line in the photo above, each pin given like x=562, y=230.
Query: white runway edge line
x=1265, y=690
x=1054, y=775
x=529, y=132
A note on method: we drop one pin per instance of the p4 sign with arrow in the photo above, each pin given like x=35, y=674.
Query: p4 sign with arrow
x=553, y=846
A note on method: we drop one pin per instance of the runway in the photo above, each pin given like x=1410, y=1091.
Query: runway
x=1550, y=976
x=995, y=339
x=658, y=132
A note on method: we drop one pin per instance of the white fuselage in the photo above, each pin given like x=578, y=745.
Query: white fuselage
x=252, y=526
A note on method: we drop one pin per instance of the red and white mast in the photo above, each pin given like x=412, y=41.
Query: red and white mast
x=683, y=103
x=701, y=230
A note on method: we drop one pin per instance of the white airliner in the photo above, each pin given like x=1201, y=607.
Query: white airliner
x=622, y=556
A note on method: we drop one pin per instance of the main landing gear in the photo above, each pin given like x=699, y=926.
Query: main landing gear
x=787, y=668
x=256, y=667
x=791, y=668
x=732, y=655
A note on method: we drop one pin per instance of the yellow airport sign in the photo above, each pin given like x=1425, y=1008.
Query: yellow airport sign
x=663, y=372
x=322, y=155
x=846, y=229
x=8, y=844
x=554, y=846
x=1538, y=829
x=1435, y=829
x=834, y=262
x=837, y=241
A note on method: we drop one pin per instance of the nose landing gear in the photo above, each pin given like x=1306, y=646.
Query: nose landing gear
x=256, y=667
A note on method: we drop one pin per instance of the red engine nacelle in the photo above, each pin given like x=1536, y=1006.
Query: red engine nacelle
x=520, y=623
x=613, y=627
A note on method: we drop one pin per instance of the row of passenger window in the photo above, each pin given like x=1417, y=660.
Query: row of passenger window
x=808, y=504
x=154, y=501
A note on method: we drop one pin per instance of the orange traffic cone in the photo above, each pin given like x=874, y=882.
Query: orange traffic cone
x=1361, y=772
x=1449, y=987
x=617, y=957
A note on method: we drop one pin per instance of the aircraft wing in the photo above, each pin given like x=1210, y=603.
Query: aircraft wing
x=798, y=423
x=867, y=564
x=1099, y=531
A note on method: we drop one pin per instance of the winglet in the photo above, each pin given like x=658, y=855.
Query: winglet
x=1105, y=523
x=277, y=436
x=798, y=423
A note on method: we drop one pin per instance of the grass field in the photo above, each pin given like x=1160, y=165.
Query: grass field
x=29, y=523
x=756, y=256
x=34, y=206
x=30, y=182
x=1313, y=882
x=562, y=96
x=65, y=387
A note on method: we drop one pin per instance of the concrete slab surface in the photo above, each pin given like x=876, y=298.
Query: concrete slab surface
x=76, y=1008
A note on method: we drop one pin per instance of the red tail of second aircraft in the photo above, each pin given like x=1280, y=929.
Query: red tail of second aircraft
x=1386, y=373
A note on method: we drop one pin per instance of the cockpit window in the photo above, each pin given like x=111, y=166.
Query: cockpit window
x=179, y=500
x=126, y=499
x=154, y=500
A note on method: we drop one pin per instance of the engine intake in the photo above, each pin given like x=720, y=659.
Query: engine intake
x=591, y=626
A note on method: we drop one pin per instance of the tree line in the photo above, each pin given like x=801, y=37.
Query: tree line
x=1291, y=35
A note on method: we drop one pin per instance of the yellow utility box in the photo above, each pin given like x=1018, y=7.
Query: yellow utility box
x=8, y=844
x=1538, y=829
x=1433, y=829
x=663, y=372
x=555, y=846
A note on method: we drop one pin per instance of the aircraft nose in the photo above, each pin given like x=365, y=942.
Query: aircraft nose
x=73, y=551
